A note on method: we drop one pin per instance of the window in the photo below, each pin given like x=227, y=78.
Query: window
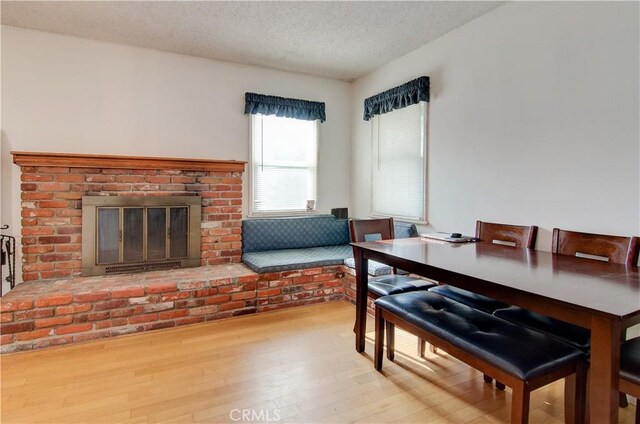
x=399, y=163
x=284, y=157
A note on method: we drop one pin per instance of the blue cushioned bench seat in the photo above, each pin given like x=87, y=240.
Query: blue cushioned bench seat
x=522, y=358
x=290, y=243
x=290, y=259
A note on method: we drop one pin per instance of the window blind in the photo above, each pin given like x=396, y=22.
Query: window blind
x=398, y=163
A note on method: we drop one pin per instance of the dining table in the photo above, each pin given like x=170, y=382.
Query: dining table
x=593, y=294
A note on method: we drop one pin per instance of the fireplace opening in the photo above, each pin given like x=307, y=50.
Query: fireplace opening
x=138, y=233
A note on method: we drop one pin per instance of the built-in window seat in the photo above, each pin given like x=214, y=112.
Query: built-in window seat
x=288, y=243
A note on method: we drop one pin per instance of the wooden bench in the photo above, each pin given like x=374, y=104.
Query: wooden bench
x=523, y=359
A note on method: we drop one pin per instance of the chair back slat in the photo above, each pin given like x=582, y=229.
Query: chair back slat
x=371, y=229
x=616, y=249
x=521, y=236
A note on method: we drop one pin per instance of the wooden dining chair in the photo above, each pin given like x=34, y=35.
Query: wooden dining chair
x=383, y=229
x=630, y=371
x=613, y=249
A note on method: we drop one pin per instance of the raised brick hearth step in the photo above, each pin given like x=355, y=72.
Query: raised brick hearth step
x=43, y=313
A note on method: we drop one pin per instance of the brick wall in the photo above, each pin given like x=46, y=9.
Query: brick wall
x=52, y=211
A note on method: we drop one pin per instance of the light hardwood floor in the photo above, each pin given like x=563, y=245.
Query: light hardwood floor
x=298, y=365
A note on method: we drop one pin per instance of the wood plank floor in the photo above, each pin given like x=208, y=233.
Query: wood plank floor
x=297, y=366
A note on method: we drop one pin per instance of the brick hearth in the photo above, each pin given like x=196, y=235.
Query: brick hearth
x=40, y=314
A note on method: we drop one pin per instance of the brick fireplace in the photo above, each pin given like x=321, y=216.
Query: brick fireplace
x=53, y=185
x=56, y=306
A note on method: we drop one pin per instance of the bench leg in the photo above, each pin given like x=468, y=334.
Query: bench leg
x=520, y=403
x=576, y=405
x=580, y=402
x=570, y=399
x=623, y=400
x=391, y=340
x=422, y=348
x=379, y=342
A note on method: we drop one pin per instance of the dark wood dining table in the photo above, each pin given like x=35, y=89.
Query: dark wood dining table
x=593, y=294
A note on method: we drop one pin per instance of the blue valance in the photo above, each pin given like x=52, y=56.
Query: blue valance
x=398, y=97
x=284, y=107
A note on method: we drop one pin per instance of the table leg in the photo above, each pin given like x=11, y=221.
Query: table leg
x=604, y=370
x=361, y=298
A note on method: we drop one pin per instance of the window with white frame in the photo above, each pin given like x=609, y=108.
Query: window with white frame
x=284, y=160
x=399, y=163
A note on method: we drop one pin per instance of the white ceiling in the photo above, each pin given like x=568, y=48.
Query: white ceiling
x=339, y=39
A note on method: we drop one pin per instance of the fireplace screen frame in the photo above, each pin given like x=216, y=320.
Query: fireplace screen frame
x=90, y=208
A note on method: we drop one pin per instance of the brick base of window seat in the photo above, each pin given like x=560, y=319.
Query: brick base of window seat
x=44, y=313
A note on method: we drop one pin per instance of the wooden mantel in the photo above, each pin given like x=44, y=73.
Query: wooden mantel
x=75, y=160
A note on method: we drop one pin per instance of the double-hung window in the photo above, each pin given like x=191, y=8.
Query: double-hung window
x=399, y=150
x=399, y=163
x=284, y=162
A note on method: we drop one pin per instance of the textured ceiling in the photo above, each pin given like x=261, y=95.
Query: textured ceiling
x=343, y=40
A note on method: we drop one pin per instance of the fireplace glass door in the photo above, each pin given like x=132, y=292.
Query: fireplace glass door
x=138, y=234
x=131, y=234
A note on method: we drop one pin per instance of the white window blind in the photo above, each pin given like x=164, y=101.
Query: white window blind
x=284, y=155
x=398, y=163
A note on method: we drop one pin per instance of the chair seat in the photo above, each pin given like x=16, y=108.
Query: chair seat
x=394, y=284
x=477, y=301
x=630, y=361
x=577, y=336
x=518, y=351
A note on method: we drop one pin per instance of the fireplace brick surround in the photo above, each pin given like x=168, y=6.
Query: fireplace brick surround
x=55, y=306
x=53, y=185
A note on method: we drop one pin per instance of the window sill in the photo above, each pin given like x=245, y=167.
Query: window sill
x=401, y=219
x=281, y=214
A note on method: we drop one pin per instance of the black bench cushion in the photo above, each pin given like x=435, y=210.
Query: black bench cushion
x=478, y=301
x=394, y=284
x=577, y=336
x=630, y=361
x=516, y=350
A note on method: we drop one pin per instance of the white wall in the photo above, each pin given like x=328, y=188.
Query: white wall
x=67, y=94
x=534, y=119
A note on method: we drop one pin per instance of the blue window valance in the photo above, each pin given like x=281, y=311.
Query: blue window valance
x=398, y=97
x=283, y=107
